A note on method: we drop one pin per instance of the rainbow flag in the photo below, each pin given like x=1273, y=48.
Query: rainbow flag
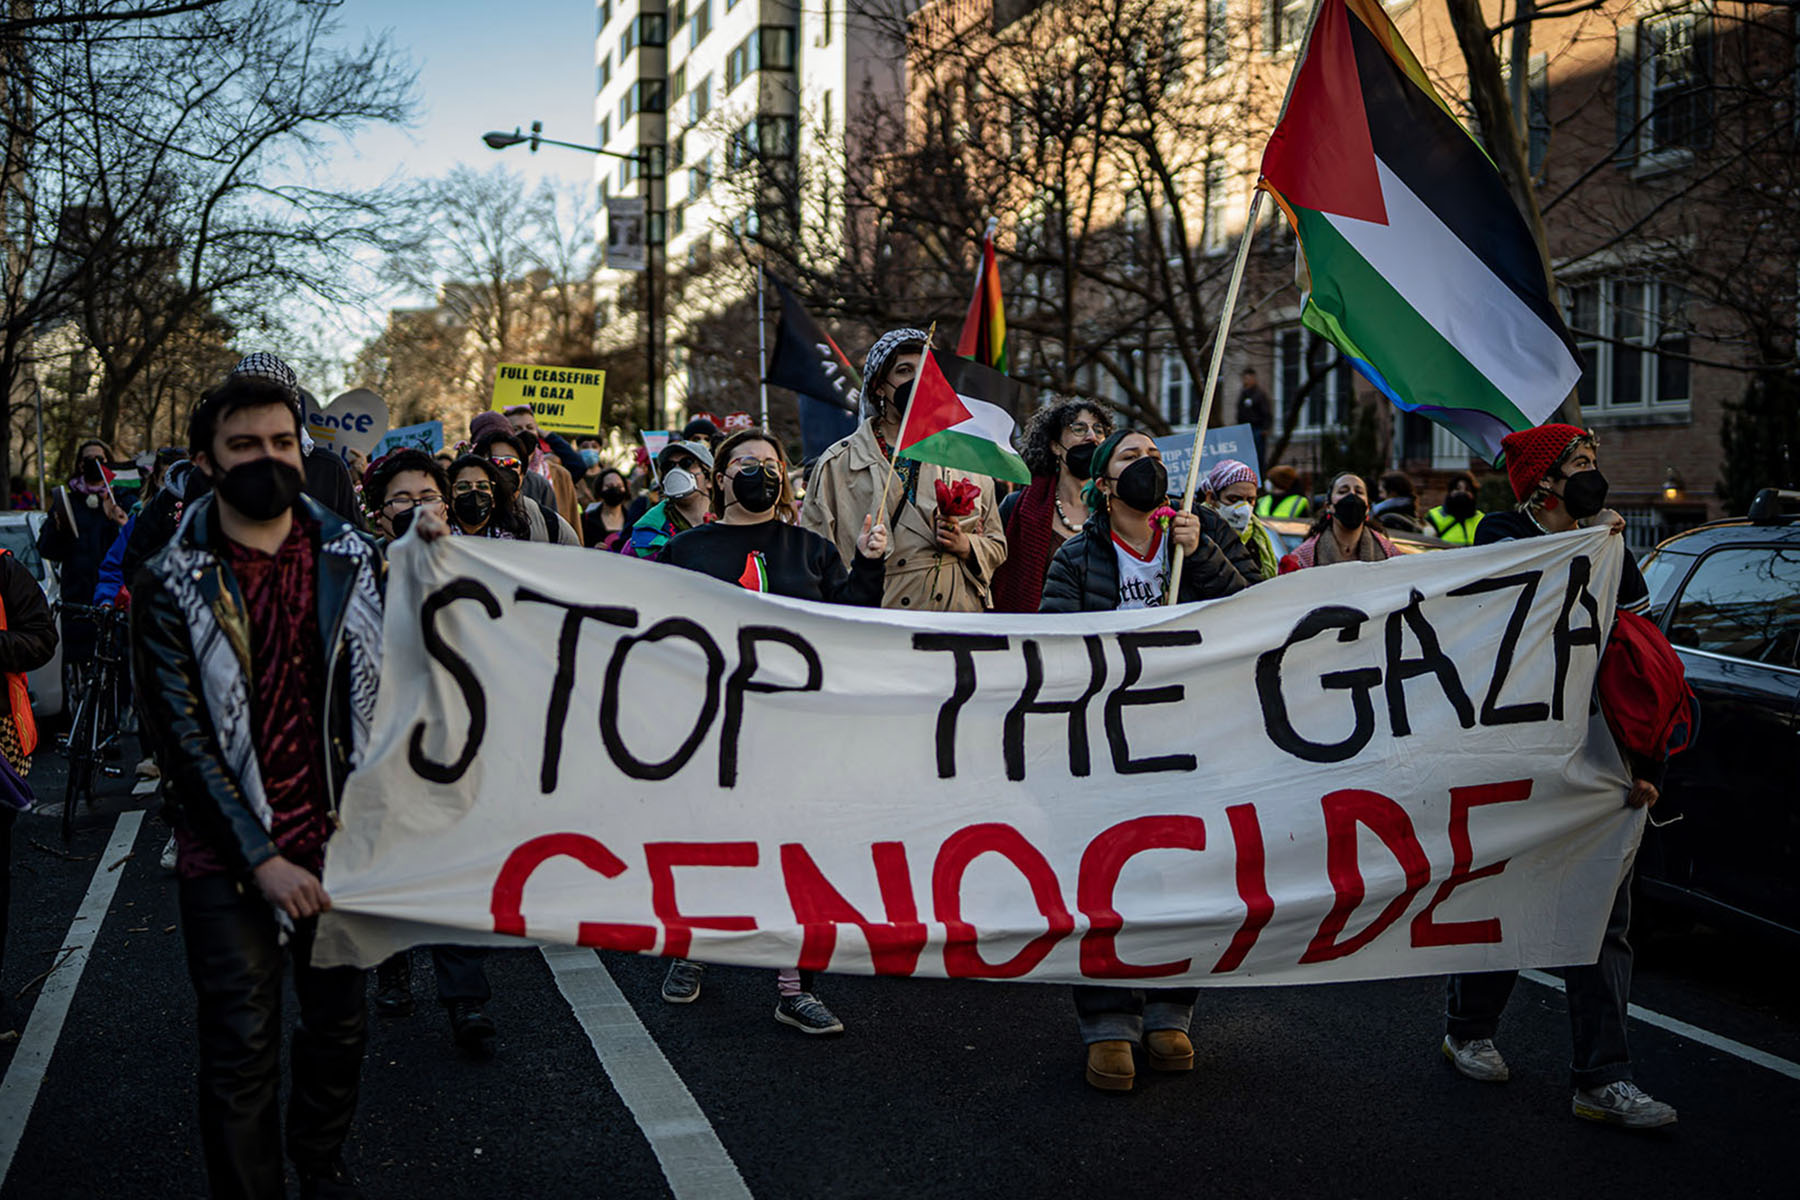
x=983, y=335
x=1416, y=262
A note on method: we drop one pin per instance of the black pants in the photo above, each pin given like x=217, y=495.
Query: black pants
x=7, y=817
x=235, y=962
x=1598, y=993
x=460, y=973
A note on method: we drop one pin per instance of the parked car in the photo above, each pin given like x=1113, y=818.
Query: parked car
x=19, y=534
x=1727, y=594
x=1288, y=532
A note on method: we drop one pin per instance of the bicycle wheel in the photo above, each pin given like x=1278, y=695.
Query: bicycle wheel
x=81, y=763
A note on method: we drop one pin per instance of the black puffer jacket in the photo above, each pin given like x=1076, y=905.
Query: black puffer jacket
x=29, y=640
x=1084, y=575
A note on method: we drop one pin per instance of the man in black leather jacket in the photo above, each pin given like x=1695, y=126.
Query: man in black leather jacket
x=256, y=646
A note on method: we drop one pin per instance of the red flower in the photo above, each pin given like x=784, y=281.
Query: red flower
x=957, y=500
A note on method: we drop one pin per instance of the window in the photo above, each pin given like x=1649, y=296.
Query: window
x=628, y=40
x=602, y=15
x=628, y=172
x=677, y=219
x=603, y=73
x=700, y=178
x=655, y=29
x=1298, y=352
x=605, y=191
x=1633, y=336
x=653, y=159
x=1218, y=34
x=678, y=84
x=603, y=131
x=678, y=154
x=1742, y=602
x=678, y=15
x=825, y=15
x=1220, y=200
x=1179, y=396
x=700, y=23
x=1285, y=25
x=1663, y=86
x=825, y=112
x=700, y=100
x=738, y=62
x=776, y=43
x=763, y=138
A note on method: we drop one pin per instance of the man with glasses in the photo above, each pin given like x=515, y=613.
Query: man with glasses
x=685, y=469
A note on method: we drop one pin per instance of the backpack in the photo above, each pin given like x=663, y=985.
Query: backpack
x=1644, y=690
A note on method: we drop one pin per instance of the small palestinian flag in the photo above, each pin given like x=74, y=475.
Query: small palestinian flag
x=756, y=572
x=984, y=328
x=1416, y=262
x=958, y=431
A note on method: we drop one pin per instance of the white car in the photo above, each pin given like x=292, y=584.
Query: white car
x=19, y=534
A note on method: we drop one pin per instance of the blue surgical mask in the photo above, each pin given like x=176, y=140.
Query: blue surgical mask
x=590, y=456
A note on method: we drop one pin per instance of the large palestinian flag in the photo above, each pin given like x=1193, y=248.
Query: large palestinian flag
x=1416, y=262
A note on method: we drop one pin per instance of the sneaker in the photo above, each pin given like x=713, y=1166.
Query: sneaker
x=1623, y=1104
x=1477, y=1059
x=682, y=984
x=334, y=1182
x=393, y=986
x=147, y=769
x=471, y=1028
x=169, y=855
x=806, y=1013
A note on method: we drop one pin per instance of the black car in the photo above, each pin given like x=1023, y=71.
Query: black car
x=1727, y=594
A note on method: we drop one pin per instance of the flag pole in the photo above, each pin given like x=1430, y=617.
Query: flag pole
x=1225, y=314
x=762, y=348
x=894, y=454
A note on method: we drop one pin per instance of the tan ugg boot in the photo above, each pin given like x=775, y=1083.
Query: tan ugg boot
x=1109, y=1066
x=1169, y=1050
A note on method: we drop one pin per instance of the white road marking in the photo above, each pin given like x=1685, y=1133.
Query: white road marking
x=18, y=1091
x=694, y=1162
x=1749, y=1054
x=145, y=786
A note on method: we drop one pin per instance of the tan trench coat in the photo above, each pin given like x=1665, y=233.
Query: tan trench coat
x=846, y=486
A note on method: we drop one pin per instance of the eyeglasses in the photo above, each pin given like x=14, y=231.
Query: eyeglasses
x=399, y=504
x=747, y=465
x=463, y=487
x=506, y=462
x=1083, y=428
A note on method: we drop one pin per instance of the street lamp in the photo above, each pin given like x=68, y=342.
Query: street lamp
x=501, y=140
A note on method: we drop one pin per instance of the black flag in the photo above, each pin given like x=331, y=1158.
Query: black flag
x=805, y=358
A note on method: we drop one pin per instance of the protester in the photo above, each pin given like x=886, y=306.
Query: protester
x=703, y=430
x=1058, y=445
x=530, y=484
x=27, y=642
x=603, y=522
x=401, y=485
x=687, y=484
x=505, y=450
x=1555, y=475
x=1396, y=507
x=1255, y=410
x=754, y=545
x=1342, y=533
x=1231, y=492
x=550, y=456
x=939, y=563
x=263, y=667
x=484, y=504
x=328, y=480
x=1286, y=496
x=85, y=518
x=1120, y=560
x=1458, y=517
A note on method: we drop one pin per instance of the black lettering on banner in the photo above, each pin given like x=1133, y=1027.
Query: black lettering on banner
x=473, y=697
x=637, y=768
x=1358, y=681
x=1431, y=661
x=1492, y=711
x=964, y=647
x=1565, y=638
x=1013, y=732
x=527, y=391
x=568, y=644
x=742, y=680
x=1127, y=694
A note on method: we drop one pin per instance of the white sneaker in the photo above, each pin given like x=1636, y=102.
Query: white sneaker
x=168, y=854
x=1477, y=1059
x=148, y=769
x=1623, y=1104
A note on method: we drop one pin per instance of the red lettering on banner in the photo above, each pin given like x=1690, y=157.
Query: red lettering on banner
x=508, y=898
x=1252, y=886
x=662, y=858
x=894, y=946
x=1344, y=811
x=1425, y=930
x=962, y=956
x=1101, y=863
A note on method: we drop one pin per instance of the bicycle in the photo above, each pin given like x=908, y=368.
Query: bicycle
x=95, y=727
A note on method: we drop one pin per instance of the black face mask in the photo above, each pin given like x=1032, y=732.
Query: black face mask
x=1584, y=494
x=1078, y=459
x=614, y=495
x=901, y=396
x=90, y=470
x=1143, y=485
x=402, y=521
x=756, y=489
x=1460, y=505
x=473, y=508
x=1350, y=511
x=262, y=489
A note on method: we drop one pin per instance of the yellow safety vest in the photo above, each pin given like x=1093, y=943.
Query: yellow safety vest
x=1291, y=505
x=1456, y=532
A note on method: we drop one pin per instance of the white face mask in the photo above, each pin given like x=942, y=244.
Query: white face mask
x=678, y=484
x=1237, y=515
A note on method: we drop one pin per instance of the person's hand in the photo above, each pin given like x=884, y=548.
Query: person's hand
x=1606, y=517
x=873, y=541
x=1643, y=794
x=293, y=889
x=950, y=537
x=111, y=508
x=430, y=524
x=1184, y=527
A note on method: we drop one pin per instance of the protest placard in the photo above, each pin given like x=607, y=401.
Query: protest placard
x=564, y=399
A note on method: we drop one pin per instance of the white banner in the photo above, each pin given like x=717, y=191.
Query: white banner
x=1352, y=772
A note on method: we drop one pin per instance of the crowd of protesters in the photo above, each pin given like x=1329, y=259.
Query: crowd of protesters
x=253, y=566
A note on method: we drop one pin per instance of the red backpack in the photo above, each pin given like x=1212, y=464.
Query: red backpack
x=1644, y=690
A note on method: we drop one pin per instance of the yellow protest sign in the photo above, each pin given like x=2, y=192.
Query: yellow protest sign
x=565, y=399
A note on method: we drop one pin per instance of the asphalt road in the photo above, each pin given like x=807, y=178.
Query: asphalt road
x=949, y=1089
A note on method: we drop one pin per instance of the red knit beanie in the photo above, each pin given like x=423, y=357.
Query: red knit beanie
x=1531, y=453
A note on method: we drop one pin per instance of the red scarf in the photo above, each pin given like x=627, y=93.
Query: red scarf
x=1019, y=583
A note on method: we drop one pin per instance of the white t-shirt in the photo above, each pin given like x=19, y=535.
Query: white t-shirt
x=1142, y=581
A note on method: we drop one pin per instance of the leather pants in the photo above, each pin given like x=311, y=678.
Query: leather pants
x=235, y=962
